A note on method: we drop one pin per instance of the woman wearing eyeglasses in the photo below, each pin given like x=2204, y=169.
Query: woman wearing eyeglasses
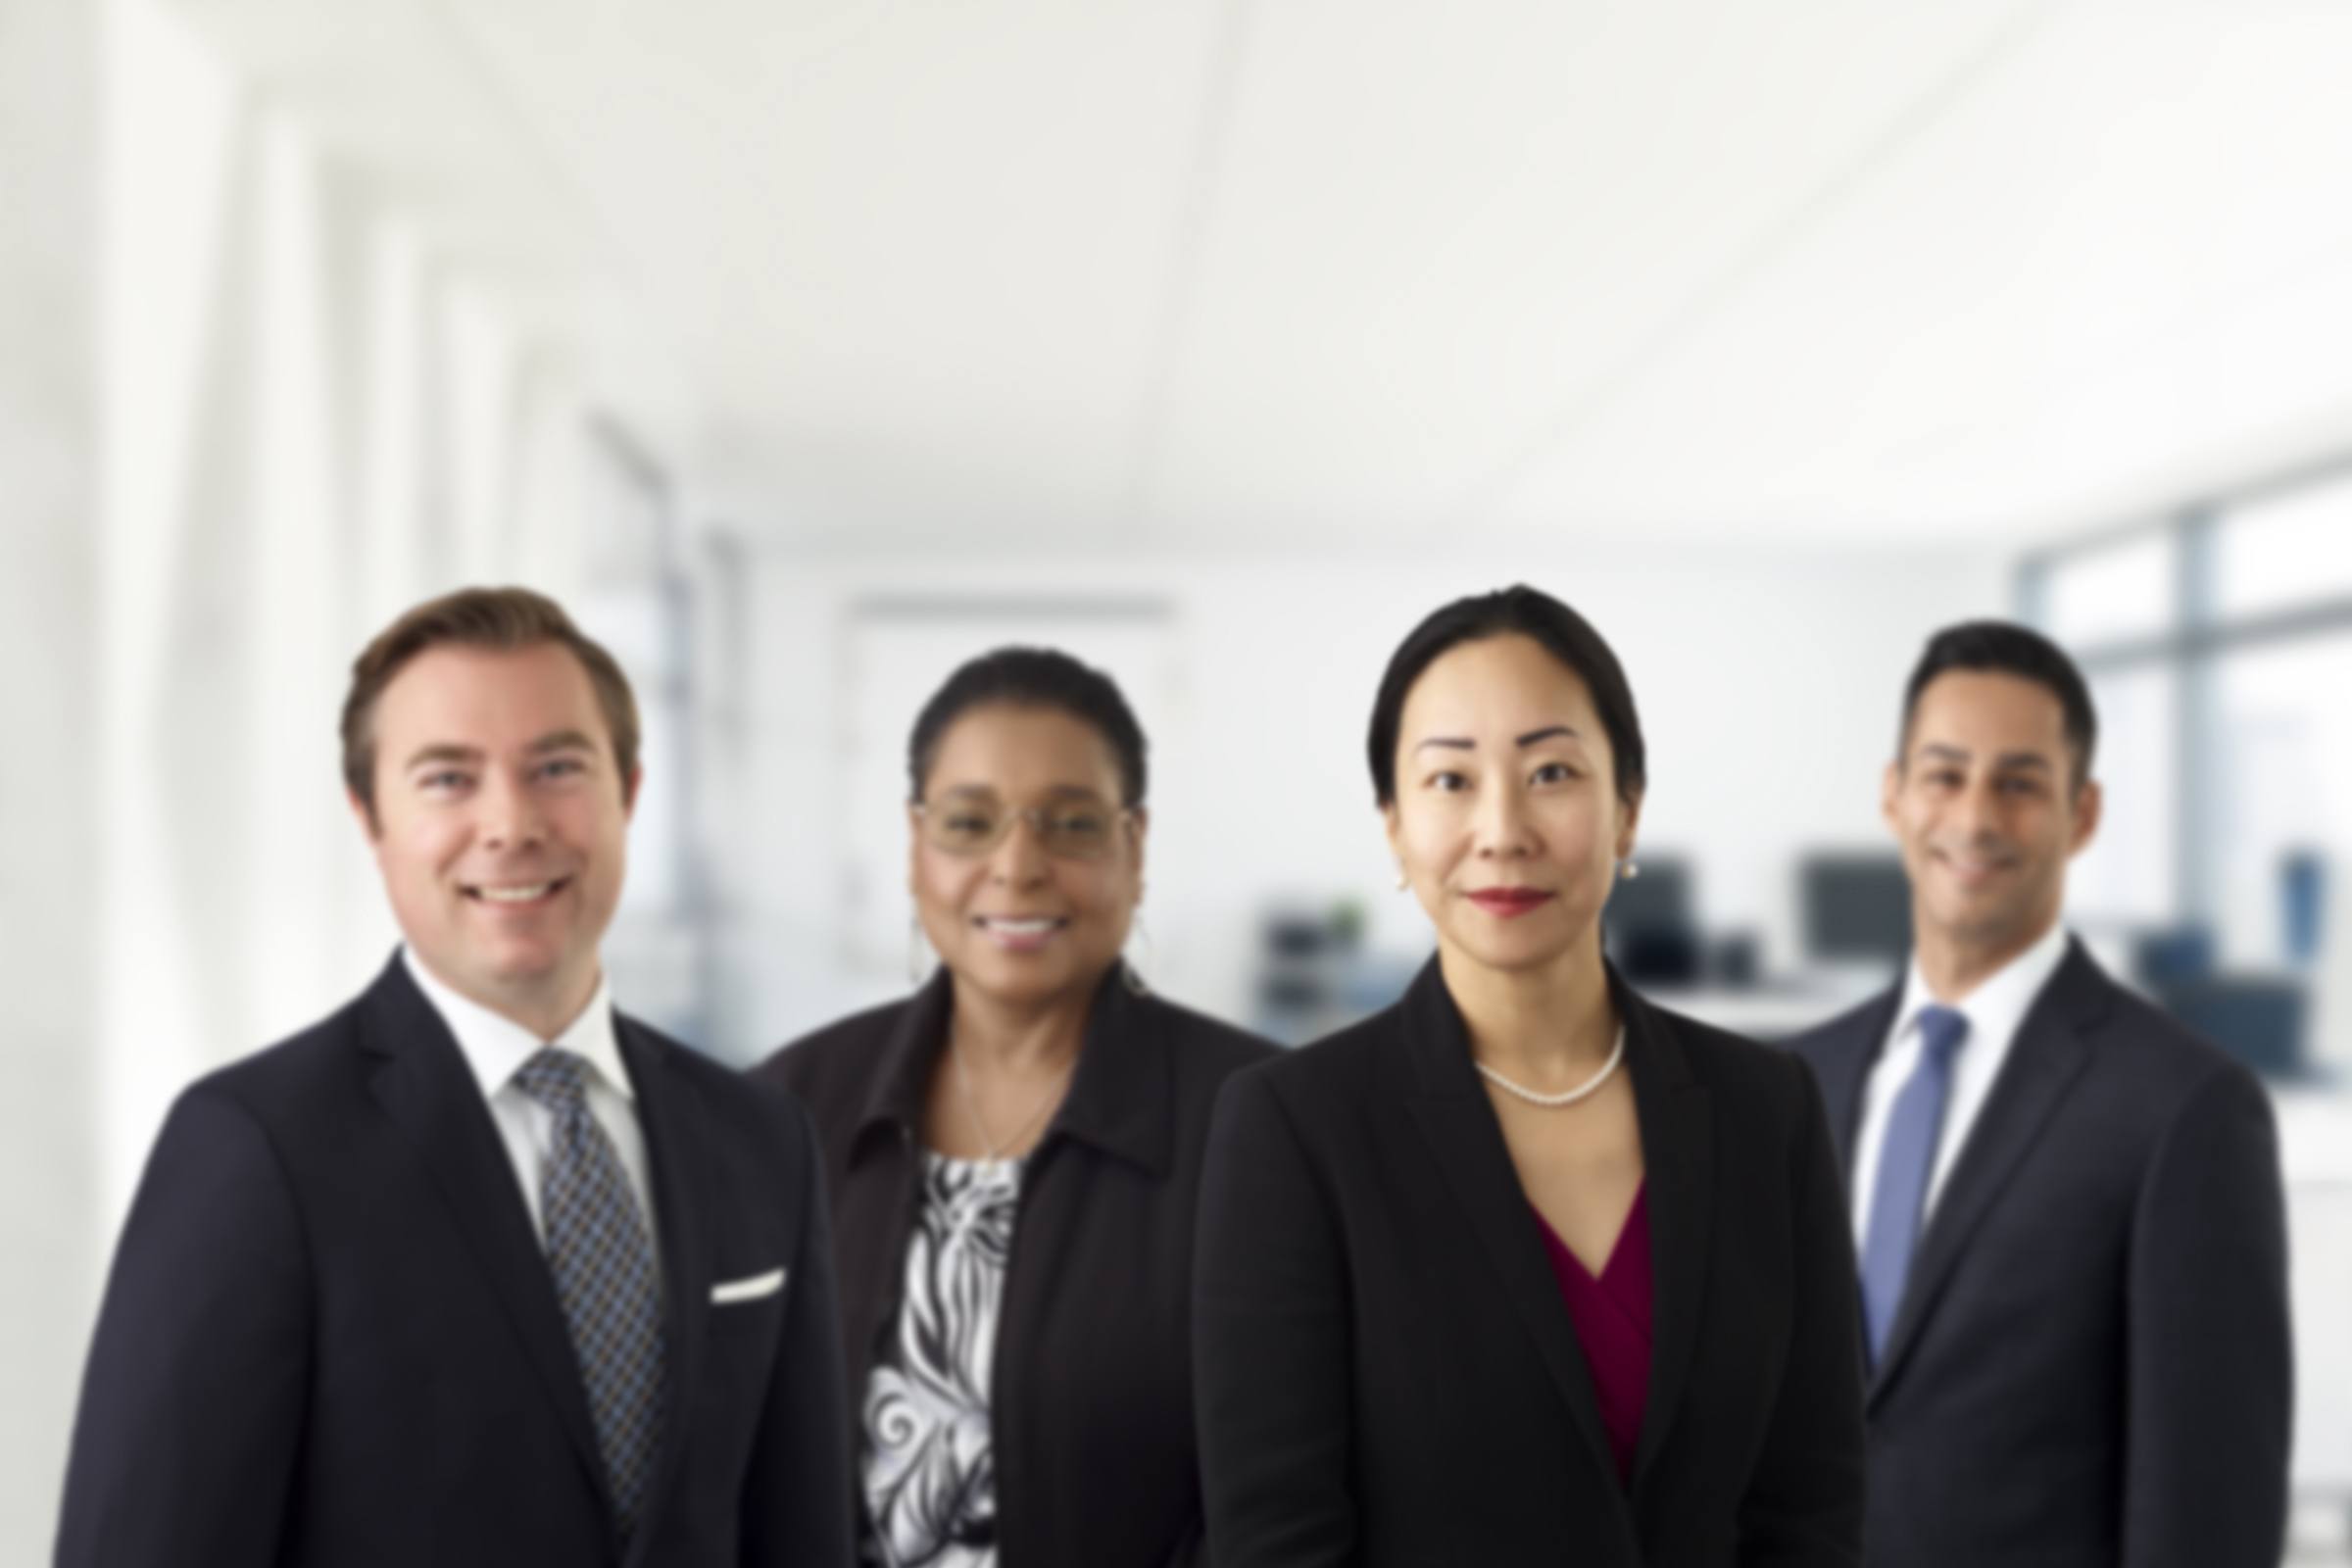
x=1013, y=1156
x=1524, y=1270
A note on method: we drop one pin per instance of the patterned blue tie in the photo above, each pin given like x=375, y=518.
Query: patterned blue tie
x=1906, y=1157
x=602, y=1260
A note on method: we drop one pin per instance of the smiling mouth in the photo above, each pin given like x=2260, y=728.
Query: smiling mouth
x=512, y=894
x=1973, y=867
x=1018, y=932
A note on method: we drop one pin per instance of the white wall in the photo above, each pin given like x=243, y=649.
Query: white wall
x=1768, y=683
x=48, y=670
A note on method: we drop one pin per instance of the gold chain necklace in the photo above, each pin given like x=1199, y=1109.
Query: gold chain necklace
x=971, y=1102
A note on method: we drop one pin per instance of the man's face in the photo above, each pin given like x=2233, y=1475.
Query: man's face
x=1986, y=806
x=501, y=824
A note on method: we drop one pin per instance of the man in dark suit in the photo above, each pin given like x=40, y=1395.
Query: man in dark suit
x=2067, y=1206
x=477, y=1270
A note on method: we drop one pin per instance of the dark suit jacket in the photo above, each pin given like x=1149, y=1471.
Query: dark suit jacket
x=2092, y=1364
x=331, y=1335
x=1389, y=1374
x=1092, y=1408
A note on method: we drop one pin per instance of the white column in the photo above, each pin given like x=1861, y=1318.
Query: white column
x=175, y=326
x=48, y=670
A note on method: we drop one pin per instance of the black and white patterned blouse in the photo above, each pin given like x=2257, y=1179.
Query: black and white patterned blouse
x=930, y=1469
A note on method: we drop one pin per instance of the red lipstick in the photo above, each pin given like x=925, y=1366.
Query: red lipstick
x=1508, y=903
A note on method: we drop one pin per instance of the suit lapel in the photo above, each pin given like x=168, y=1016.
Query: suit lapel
x=424, y=1085
x=1678, y=1151
x=1460, y=1129
x=677, y=1143
x=2045, y=1063
x=1843, y=1065
x=875, y=1200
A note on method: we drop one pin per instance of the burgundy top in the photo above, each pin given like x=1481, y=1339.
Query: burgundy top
x=1611, y=1315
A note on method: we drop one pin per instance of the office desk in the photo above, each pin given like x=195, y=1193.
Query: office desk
x=2314, y=1153
x=1774, y=1009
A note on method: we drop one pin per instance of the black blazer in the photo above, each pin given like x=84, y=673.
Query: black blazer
x=1092, y=1408
x=2093, y=1362
x=1388, y=1375
x=330, y=1336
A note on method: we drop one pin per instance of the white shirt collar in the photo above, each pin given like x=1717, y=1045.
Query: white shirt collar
x=496, y=1047
x=1998, y=1005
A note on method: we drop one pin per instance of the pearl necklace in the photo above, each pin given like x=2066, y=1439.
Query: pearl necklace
x=1555, y=1101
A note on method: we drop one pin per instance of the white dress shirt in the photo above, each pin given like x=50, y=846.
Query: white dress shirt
x=496, y=1048
x=1994, y=1010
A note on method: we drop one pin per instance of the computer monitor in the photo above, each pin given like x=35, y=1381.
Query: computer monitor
x=2257, y=1018
x=1648, y=924
x=1658, y=898
x=1857, y=906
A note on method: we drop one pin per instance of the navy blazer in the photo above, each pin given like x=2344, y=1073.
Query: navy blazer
x=1390, y=1378
x=331, y=1336
x=2091, y=1366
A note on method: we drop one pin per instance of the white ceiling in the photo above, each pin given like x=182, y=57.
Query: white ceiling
x=1412, y=269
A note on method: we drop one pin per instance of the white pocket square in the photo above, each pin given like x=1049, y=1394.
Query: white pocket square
x=748, y=1289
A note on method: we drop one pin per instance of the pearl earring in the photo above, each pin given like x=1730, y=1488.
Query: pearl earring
x=1402, y=881
x=1628, y=870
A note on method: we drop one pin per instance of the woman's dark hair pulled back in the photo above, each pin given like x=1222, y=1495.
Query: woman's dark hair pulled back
x=1031, y=677
x=1522, y=611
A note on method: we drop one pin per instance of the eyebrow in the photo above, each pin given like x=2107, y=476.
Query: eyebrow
x=1455, y=743
x=444, y=753
x=562, y=740
x=1955, y=753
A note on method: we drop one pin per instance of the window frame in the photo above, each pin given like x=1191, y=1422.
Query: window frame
x=2194, y=639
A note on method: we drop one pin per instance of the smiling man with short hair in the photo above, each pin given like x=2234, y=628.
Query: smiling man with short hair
x=2068, y=1207
x=479, y=1270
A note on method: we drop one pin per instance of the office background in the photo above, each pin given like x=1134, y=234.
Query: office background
x=807, y=350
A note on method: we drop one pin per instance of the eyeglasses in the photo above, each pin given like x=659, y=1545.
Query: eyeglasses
x=1077, y=830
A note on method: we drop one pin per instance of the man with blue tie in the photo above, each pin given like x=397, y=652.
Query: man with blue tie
x=2068, y=1207
x=477, y=1271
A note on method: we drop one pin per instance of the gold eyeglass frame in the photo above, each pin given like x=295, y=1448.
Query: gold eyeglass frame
x=1035, y=816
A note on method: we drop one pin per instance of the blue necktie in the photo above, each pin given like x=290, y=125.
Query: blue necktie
x=1906, y=1158
x=603, y=1259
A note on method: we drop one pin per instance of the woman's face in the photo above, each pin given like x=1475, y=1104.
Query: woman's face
x=1506, y=823
x=1017, y=921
